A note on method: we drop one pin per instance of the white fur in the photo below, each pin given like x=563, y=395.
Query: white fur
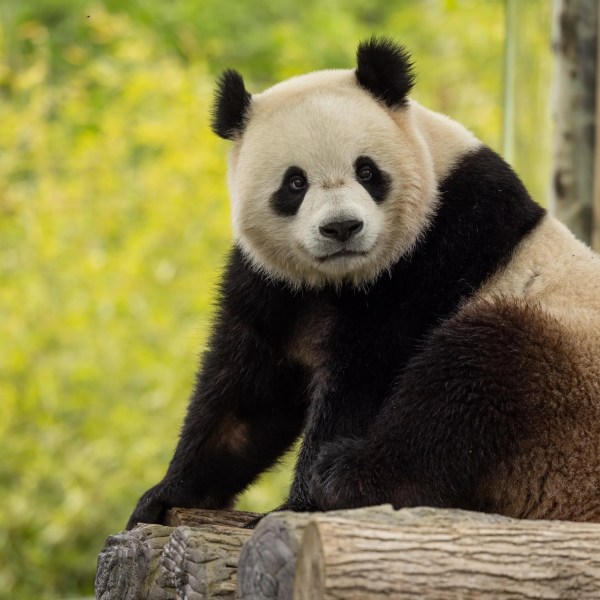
x=322, y=122
x=554, y=270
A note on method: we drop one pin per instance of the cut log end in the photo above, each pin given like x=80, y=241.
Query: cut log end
x=202, y=562
x=128, y=561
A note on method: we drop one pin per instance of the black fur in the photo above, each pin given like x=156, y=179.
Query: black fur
x=379, y=350
x=453, y=414
x=231, y=105
x=485, y=211
x=286, y=201
x=243, y=380
x=380, y=183
x=385, y=69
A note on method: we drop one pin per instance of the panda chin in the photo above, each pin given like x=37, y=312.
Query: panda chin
x=341, y=254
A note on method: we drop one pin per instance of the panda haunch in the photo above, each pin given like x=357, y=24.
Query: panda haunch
x=395, y=296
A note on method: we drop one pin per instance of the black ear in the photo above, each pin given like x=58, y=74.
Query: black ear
x=384, y=69
x=231, y=105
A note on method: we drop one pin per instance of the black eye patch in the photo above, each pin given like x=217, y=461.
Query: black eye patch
x=377, y=182
x=287, y=199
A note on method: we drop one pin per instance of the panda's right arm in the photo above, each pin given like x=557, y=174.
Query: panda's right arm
x=247, y=407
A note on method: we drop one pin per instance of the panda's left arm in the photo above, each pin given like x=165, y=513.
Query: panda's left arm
x=247, y=407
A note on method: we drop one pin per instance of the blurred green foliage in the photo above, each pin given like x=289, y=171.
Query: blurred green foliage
x=114, y=225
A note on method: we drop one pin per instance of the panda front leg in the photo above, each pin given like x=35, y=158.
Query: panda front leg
x=246, y=410
x=331, y=417
x=463, y=406
x=301, y=497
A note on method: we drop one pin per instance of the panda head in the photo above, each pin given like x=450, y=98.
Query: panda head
x=331, y=180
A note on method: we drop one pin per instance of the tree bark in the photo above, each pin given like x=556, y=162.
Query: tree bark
x=574, y=106
x=364, y=554
x=268, y=560
x=195, y=517
x=202, y=562
x=150, y=561
x=446, y=558
x=596, y=231
x=129, y=565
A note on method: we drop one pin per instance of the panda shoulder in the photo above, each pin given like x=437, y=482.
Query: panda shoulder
x=550, y=267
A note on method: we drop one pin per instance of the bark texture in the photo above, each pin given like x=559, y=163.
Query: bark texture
x=268, y=560
x=157, y=562
x=447, y=559
x=195, y=517
x=575, y=40
x=596, y=232
x=129, y=565
x=202, y=562
x=364, y=554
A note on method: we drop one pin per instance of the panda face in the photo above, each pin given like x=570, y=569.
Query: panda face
x=333, y=175
x=328, y=184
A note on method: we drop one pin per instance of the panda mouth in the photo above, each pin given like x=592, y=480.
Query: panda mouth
x=341, y=254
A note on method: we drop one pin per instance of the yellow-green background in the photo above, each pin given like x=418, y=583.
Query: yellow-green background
x=114, y=223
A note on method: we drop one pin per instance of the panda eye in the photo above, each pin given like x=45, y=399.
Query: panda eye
x=296, y=183
x=372, y=178
x=365, y=173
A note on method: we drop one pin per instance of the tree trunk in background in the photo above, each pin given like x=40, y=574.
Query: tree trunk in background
x=596, y=231
x=575, y=42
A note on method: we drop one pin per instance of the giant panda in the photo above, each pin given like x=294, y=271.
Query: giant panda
x=395, y=297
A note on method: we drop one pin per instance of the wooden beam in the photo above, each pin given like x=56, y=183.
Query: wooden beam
x=364, y=554
x=158, y=562
x=196, y=517
x=460, y=558
x=268, y=560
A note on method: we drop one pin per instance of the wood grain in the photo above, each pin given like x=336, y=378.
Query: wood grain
x=447, y=560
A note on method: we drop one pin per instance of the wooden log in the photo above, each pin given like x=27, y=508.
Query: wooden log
x=268, y=560
x=447, y=559
x=194, y=517
x=202, y=562
x=129, y=565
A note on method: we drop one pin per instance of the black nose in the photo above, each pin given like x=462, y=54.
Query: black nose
x=341, y=230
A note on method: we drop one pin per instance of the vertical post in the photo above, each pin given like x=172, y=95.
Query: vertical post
x=596, y=224
x=574, y=41
x=509, y=77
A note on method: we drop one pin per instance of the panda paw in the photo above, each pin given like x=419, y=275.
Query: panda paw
x=154, y=504
x=341, y=477
x=151, y=507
